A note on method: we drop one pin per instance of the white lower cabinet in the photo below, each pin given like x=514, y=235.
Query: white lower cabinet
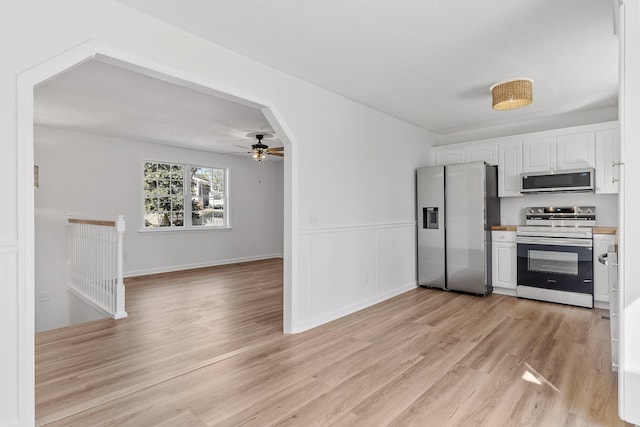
x=503, y=262
x=601, y=243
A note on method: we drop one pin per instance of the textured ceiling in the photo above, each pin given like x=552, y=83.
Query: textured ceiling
x=99, y=98
x=429, y=63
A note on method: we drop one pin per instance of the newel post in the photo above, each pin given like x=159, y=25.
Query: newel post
x=120, y=227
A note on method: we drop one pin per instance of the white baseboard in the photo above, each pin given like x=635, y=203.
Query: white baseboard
x=601, y=304
x=212, y=263
x=504, y=291
x=317, y=321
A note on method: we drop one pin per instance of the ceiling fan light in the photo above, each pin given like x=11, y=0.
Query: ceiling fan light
x=512, y=94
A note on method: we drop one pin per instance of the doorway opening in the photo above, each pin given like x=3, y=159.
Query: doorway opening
x=27, y=83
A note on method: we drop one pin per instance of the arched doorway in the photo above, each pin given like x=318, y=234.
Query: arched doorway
x=27, y=81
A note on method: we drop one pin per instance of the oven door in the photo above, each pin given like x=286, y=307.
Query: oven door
x=556, y=264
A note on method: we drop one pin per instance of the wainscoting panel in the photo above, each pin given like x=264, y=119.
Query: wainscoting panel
x=346, y=269
x=9, y=331
x=397, y=252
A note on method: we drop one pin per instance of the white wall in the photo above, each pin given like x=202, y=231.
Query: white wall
x=95, y=177
x=512, y=209
x=349, y=166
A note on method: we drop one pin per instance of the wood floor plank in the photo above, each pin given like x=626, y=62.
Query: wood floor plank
x=205, y=347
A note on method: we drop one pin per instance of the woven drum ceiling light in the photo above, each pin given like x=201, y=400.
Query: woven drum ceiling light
x=512, y=94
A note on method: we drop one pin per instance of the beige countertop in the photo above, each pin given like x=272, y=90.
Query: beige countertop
x=605, y=230
x=503, y=228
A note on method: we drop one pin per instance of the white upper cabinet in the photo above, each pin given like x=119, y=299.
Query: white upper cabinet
x=576, y=151
x=607, y=160
x=477, y=153
x=570, y=151
x=539, y=154
x=590, y=146
x=449, y=157
x=509, y=168
x=482, y=153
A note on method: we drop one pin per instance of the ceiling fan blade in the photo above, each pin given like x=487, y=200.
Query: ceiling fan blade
x=276, y=149
x=277, y=154
x=242, y=146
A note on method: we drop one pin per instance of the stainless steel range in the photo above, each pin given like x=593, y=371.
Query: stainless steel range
x=555, y=255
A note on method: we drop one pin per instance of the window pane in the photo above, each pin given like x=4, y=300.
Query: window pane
x=150, y=170
x=177, y=172
x=151, y=220
x=164, y=170
x=177, y=219
x=150, y=185
x=176, y=187
x=164, y=186
x=150, y=204
x=207, y=189
x=164, y=219
x=164, y=204
x=177, y=204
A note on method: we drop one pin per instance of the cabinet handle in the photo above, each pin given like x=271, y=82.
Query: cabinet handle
x=614, y=180
x=614, y=164
x=614, y=289
x=615, y=340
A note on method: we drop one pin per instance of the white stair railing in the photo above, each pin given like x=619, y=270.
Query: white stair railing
x=95, y=263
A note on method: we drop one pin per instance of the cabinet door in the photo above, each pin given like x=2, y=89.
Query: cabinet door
x=482, y=153
x=448, y=157
x=509, y=169
x=601, y=243
x=503, y=265
x=539, y=155
x=576, y=151
x=607, y=155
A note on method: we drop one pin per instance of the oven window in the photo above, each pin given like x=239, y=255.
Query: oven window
x=553, y=262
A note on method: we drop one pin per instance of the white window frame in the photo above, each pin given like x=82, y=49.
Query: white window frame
x=187, y=197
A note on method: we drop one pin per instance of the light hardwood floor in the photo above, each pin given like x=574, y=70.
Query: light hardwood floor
x=205, y=347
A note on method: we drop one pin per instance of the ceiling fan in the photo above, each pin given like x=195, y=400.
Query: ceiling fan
x=260, y=150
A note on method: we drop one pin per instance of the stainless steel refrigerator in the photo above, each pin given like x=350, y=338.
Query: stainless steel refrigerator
x=457, y=205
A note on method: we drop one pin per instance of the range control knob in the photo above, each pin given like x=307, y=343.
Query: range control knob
x=579, y=210
x=531, y=210
x=539, y=210
x=588, y=211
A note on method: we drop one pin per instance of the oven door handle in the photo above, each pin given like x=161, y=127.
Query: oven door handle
x=553, y=241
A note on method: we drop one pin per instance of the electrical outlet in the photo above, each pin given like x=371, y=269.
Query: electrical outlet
x=44, y=296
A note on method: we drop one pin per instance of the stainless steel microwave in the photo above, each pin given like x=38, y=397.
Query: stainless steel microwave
x=558, y=181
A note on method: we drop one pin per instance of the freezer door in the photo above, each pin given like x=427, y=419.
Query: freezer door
x=431, y=226
x=465, y=218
